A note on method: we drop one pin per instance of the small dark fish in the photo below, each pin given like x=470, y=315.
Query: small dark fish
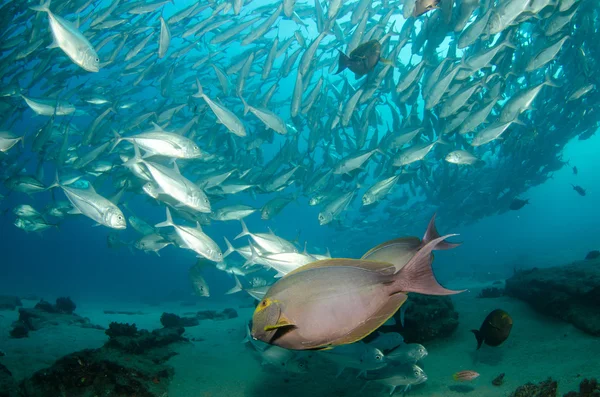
x=498, y=380
x=592, y=255
x=495, y=329
x=463, y=376
x=575, y=171
x=579, y=190
x=363, y=59
x=517, y=204
x=424, y=6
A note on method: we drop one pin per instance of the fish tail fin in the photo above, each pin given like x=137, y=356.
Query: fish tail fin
x=246, y=107
x=431, y=234
x=200, y=92
x=230, y=248
x=549, y=81
x=43, y=7
x=56, y=182
x=343, y=62
x=417, y=276
x=455, y=376
x=168, y=222
x=237, y=288
x=478, y=336
x=118, y=138
x=244, y=232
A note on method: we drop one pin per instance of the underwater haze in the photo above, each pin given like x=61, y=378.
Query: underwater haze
x=296, y=197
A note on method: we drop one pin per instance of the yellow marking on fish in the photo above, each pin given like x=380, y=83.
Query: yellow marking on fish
x=282, y=322
x=264, y=304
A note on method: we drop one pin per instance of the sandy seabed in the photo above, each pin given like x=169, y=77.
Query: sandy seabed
x=220, y=365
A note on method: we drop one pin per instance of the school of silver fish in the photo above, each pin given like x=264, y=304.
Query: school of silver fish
x=200, y=108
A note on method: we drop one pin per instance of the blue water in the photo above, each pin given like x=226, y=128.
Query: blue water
x=558, y=227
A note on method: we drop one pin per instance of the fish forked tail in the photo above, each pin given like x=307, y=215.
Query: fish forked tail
x=237, y=288
x=343, y=62
x=431, y=234
x=244, y=232
x=200, y=92
x=168, y=222
x=56, y=182
x=478, y=336
x=44, y=7
x=230, y=248
x=118, y=138
x=417, y=275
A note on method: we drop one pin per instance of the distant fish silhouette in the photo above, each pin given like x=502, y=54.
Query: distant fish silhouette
x=517, y=204
x=579, y=190
x=592, y=255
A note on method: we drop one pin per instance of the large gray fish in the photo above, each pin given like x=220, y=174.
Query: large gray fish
x=66, y=36
x=340, y=301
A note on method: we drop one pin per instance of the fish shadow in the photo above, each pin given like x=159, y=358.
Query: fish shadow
x=464, y=389
x=272, y=383
x=491, y=357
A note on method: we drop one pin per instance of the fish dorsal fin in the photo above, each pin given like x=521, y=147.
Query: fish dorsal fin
x=157, y=127
x=374, y=266
x=198, y=227
x=176, y=168
x=397, y=252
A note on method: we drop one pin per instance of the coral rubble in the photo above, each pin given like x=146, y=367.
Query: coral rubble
x=131, y=363
x=547, y=388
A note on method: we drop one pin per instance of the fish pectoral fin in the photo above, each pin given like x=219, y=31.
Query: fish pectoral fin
x=494, y=326
x=281, y=323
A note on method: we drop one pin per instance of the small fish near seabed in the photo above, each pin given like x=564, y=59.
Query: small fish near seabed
x=335, y=302
x=363, y=59
x=495, y=329
x=465, y=376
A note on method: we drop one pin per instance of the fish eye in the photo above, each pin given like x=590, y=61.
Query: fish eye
x=97, y=60
x=264, y=303
x=378, y=357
